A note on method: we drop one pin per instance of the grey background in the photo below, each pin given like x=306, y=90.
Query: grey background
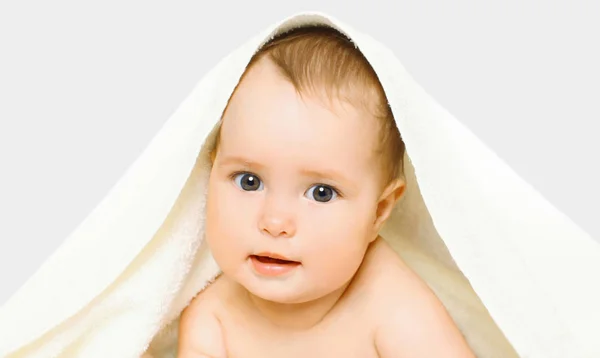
x=85, y=86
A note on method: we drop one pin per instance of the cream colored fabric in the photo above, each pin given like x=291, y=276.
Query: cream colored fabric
x=513, y=271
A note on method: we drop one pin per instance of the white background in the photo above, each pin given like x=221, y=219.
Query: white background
x=85, y=86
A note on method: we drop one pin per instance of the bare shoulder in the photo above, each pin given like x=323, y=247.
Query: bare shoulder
x=200, y=332
x=408, y=316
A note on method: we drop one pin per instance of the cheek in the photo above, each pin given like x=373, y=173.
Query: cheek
x=339, y=238
x=224, y=218
x=342, y=224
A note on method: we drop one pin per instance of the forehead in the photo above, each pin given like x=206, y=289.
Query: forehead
x=269, y=120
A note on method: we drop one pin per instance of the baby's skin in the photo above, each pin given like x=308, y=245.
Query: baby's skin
x=294, y=208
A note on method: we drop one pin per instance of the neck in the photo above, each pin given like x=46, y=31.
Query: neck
x=296, y=316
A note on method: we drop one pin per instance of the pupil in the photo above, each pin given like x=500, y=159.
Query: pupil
x=249, y=182
x=323, y=194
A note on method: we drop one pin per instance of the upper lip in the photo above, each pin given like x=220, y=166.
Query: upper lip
x=274, y=256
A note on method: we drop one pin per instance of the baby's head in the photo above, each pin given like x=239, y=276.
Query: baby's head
x=307, y=166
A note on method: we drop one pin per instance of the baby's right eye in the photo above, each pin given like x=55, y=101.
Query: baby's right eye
x=248, y=182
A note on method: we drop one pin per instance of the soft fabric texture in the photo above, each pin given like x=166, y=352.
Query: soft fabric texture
x=518, y=277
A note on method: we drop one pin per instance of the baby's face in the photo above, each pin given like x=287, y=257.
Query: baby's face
x=294, y=178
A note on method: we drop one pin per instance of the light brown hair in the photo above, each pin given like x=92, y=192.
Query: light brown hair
x=319, y=59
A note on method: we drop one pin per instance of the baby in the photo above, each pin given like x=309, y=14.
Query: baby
x=306, y=170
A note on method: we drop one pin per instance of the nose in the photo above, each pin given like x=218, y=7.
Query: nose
x=277, y=218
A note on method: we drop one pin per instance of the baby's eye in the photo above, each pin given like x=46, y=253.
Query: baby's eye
x=322, y=193
x=248, y=182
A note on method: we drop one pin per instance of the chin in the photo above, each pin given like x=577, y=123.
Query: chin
x=285, y=291
x=281, y=296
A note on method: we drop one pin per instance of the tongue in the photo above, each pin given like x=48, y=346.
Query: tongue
x=269, y=260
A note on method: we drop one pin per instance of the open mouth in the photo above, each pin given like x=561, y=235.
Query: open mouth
x=273, y=260
x=272, y=265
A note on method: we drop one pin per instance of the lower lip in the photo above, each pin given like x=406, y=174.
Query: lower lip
x=272, y=269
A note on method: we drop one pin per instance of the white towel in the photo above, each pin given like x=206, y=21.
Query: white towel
x=516, y=274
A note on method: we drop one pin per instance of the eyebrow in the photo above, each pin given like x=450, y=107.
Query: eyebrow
x=240, y=160
x=326, y=174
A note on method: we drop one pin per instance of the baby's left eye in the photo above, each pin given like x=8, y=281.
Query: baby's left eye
x=322, y=193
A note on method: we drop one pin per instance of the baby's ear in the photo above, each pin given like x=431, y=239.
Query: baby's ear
x=388, y=199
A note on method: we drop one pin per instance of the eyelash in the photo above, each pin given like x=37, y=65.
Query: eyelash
x=235, y=174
